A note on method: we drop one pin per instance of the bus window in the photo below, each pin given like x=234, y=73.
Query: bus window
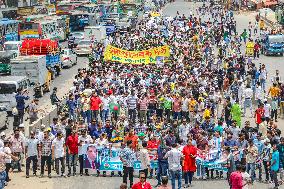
x=7, y=88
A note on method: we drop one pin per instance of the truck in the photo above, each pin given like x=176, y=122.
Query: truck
x=8, y=89
x=273, y=44
x=47, y=47
x=95, y=33
x=5, y=57
x=34, y=68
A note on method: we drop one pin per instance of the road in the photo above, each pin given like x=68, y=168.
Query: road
x=64, y=81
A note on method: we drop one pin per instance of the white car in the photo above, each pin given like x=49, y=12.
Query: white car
x=84, y=47
x=68, y=58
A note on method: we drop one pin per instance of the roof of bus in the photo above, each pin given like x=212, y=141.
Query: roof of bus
x=13, y=42
x=12, y=78
x=8, y=21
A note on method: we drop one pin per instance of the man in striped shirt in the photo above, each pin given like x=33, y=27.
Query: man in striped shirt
x=143, y=107
x=132, y=105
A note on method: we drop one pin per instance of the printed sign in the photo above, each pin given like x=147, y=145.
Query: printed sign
x=136, y=57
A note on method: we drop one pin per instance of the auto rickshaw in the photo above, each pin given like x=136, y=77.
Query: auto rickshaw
x=249, y=48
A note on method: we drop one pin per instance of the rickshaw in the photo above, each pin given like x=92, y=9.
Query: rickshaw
x=249, y=48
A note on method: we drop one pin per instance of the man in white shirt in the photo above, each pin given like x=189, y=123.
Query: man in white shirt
x=83, y=139
x=248, y=94
x=31, y=153
x=174, y=158
x=58, y=153
x=105, y=107
x=267, y=110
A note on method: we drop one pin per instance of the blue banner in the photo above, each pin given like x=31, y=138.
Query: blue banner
x=107, y=159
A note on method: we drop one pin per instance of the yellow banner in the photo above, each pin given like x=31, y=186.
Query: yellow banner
x=136, y=57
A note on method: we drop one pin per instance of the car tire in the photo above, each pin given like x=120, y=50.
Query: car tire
x=281, y=54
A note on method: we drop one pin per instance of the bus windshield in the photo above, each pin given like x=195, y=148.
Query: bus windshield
x=6, y=88
x=29, y=26
x=8, y=47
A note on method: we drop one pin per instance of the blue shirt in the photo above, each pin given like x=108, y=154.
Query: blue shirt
x=71, y=104
x=20, y=99
x=275, y=158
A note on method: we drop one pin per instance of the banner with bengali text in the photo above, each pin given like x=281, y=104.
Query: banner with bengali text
x=136, y=57
x=107, y=159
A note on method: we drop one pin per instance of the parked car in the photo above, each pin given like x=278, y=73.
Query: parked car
x=68, y=57
x=74, y=38
x=84, y=47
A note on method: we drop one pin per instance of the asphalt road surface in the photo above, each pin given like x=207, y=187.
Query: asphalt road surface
x=63, y=83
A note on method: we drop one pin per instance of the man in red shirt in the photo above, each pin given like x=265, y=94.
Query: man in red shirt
x=131, y=136
x=72, y=145
x=142, y=184
x=95, y=105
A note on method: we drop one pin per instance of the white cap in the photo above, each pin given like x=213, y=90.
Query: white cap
x=21, y=125
x=42, y=126
x=2, y=134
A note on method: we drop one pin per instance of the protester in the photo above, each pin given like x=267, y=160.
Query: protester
x=31, y=153
x=142, y=184
x=175, y=169
x=58, y=153
x=189, y=164
x=127, y=157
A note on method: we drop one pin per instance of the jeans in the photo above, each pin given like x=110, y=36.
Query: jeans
x=176, y=174
x=95, y=115
x=251, y=167
x=17, y=163
x=274, y=115
x=132, y=115
x=185, y=115
x=72, y=114
x=188, y=177
x=8, y=167
x=200, y=170
x=28, y=163
x=143, y=116
x=81, y=162
x=128, y=171
x=86, y=115
x=264, y=163
x=2, y=179
x=21, y=114
x=177, y=115
x=248, y=103
x=161, y=171
x=168, y=114
x=273, y=175
x=61, y=159
x=72, y=162
x=105, y=115
x=46, y=159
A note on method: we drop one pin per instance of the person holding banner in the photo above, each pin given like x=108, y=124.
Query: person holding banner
x=83, y=139
x=189, y=162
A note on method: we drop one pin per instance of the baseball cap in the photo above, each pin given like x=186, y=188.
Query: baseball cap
x=21, y=125
x=141, y=134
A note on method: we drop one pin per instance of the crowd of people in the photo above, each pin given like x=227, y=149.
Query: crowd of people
x=191, y=105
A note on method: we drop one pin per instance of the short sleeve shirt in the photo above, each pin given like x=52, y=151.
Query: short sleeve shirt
x=58, y=147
